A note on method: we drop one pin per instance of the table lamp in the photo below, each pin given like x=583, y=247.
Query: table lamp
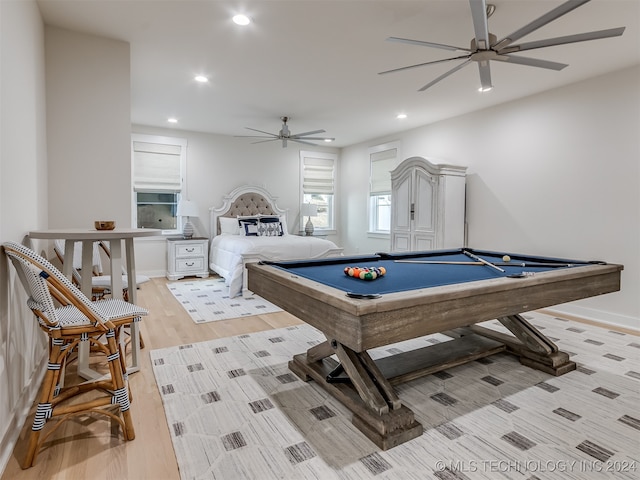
x=187, y=209
x=308, y=210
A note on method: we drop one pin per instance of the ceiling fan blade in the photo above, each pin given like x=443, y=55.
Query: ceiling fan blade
x=427, y=44
x=480, y=26
x=256, y=136
x=539, y=22
x=423, y=64
x=263, y=141
x=445, y=75
x=550, y=42
x=295, y=137
x=485, y=75
x=531, y=62
x=303, y=134
x=261, y=131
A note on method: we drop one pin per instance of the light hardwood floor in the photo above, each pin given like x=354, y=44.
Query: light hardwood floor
x=92, y=448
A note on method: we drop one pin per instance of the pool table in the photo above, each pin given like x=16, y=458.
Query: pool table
x=421, y=293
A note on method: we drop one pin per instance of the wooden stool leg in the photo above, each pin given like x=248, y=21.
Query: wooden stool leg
x=45, y=408
x=121, y=393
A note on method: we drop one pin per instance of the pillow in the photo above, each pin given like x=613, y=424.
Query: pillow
x=269, y=226
x=283, y=221
x=248, y=226
x=249, y=229
x=229, y=226
x=247, y=218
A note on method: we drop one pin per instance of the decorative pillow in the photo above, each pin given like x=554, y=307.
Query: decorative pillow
x=269, y=226
x=248, y=226
x=229, y=226
x=247, y=217
x=249, y=229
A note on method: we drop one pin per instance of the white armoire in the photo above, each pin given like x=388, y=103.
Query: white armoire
x=427, y=206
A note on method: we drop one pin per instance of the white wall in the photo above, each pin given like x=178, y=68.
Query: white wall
x=65, y=163
x=554, y=174
x=23, y=207
x=88, y=129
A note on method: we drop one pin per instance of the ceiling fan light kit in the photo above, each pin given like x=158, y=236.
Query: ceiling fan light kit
x=486, y=47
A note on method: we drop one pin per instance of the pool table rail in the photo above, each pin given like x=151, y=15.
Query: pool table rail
x=362, y=324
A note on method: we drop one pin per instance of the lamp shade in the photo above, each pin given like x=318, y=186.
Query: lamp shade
x=187, y=208
x=309, y=210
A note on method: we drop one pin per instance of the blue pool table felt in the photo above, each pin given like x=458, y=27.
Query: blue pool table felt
x=411, y=276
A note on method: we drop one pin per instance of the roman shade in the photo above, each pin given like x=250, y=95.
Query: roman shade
x=317, y=175
x=156, y=167
x=381, y=165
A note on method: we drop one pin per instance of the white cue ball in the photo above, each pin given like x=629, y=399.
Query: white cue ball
x=506, y=258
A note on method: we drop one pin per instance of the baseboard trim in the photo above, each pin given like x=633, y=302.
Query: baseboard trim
x=19, y=415
x=597, y=317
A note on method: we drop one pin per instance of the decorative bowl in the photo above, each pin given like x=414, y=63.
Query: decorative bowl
x=104, y=224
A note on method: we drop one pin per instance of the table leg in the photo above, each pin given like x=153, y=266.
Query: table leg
x=534, y=349
x=67, y=271
x=115, y=264
x=134, y=329
x=377, y=411
x=86, y=285
x=131, y=269
x=67, y=266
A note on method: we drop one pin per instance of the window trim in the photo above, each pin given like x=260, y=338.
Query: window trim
x=160, y=140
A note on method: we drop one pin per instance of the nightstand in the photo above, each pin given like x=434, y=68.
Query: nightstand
x=187, y=258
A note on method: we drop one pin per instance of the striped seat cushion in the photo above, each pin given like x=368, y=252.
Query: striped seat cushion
x=109, y=309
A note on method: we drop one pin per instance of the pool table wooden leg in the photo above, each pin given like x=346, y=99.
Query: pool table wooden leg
x=534, y=349
x=377, y=410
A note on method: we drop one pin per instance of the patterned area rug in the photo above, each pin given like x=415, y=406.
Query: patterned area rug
x=235, y=411
x=208, y=301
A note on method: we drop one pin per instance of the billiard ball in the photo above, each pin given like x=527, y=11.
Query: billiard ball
x=506, y=258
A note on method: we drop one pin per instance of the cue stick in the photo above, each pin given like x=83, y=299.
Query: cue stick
x=438, y=262
x=502, y=264
x=488, y=264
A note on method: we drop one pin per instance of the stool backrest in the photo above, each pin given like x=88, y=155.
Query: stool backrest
x=40, y=298
x=44, y=282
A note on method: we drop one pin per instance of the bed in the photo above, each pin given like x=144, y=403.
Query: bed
x=250, y=227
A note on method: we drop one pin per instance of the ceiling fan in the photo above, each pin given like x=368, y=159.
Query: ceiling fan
x=285, y=135
x=486, y=46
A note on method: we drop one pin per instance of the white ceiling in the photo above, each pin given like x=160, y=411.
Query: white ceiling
x=317, y=61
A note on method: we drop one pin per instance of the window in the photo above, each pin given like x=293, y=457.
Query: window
x=158, y=172
x=317, y=172
x=383, y=159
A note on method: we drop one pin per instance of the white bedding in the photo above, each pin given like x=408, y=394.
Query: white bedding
x=227, y=251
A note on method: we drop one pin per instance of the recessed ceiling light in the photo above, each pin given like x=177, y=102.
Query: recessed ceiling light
x=201, y=79
x=172, y=120
x=328, y=140
x=484, y=89
x=241, y=19
x=401, y=116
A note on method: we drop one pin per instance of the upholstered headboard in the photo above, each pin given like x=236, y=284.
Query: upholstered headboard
x=244, y=200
